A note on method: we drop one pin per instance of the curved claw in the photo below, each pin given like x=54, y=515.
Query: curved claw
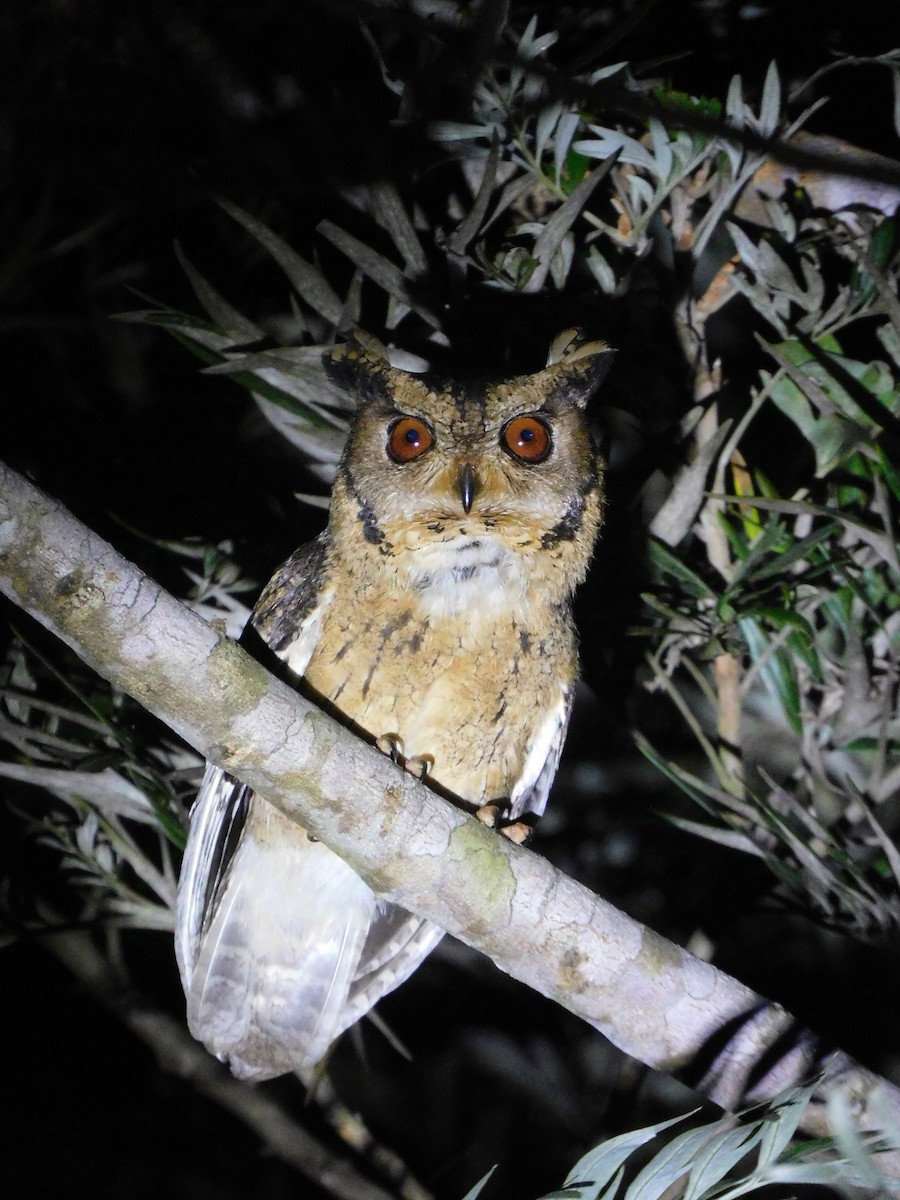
x=391, y=744
x=419, y=766
x=518, y=830
x=492, y=814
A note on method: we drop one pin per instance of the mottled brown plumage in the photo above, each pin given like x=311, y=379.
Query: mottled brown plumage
x=434, y=614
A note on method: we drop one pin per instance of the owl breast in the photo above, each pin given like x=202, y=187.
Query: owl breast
x=446, y=665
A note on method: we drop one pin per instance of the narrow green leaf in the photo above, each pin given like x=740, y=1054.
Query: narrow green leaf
x=665, y=1168
x=472, y=222
x=777, y=671
x=731, y=839
x=667, y=563
x=380, y=269
x=786, y=558
x=555, y=229
x=390, y=212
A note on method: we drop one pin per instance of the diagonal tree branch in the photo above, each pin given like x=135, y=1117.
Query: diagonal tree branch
x=179, y=1055
x=648, y=996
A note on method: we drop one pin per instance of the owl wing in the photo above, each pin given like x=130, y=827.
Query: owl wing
x=396, y=945
x=217, y=819
x=269, y=933
x=529, y=796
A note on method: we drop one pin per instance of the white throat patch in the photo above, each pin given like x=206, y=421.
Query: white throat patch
x=468, y=574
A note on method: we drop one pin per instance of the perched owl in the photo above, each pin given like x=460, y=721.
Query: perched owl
x=434, y=615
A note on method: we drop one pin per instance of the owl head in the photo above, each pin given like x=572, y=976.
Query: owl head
x=454, y=486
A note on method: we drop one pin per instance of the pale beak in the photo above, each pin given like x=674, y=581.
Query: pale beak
x=468, y=486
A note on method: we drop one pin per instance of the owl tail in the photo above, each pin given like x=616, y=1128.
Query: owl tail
x=268, y=939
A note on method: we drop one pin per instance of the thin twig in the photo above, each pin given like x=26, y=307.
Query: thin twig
x=178, y=1054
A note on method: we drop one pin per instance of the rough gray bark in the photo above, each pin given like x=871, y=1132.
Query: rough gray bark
x=652, y=999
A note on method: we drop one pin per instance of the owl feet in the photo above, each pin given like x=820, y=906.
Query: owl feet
x=391, y=744
x=518, y=831
x=492, y=814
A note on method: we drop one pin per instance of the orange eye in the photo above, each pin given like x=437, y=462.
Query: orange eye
x=526, y=439
x=408, y=438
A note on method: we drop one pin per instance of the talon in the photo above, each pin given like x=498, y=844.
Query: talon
x=391, y=744
x=517, y=831
x=492, y=814
x=419, y=766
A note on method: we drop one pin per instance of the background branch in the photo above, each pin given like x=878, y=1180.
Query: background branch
x=178, y=1054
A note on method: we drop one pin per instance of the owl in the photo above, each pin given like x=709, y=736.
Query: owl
x=433, y=616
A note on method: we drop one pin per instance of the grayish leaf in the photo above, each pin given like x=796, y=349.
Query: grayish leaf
x=229, y=320
x=378, y=268
x=549, y=240
x=389, y=211
x=677, y=515
x=310, y=283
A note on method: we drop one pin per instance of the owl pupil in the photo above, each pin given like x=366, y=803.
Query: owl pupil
x=527, y=435
x=412, y=436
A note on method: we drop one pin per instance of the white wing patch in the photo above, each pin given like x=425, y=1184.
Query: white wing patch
x=217, y=807
x=533, y=786
x=298, y=653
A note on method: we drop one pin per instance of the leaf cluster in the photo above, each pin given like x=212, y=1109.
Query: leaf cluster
x=770, y=607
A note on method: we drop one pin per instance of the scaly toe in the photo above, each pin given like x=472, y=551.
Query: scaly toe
x=517, y=831
x=491, y=814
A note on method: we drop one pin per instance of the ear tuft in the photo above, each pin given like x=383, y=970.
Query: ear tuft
x=360, y=366
x=575, y=367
